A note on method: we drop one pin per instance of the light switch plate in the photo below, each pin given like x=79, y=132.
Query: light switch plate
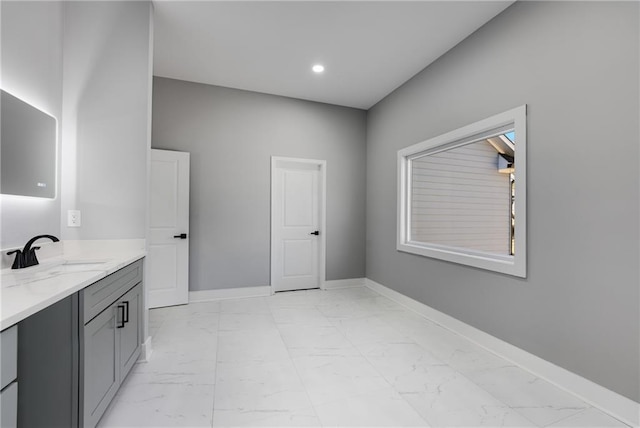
x=74, y=218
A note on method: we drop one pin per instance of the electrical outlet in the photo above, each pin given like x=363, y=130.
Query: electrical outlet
x=73, y=218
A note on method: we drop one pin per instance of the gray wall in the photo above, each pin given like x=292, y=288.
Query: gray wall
x=88, y=63
x=31, y=35
x=231, y=135
x=106, y=109
x=576, y=66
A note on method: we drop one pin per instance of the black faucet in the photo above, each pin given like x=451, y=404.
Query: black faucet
x=27, y=257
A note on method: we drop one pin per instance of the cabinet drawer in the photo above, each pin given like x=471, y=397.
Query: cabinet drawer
x=9, y=355
x=9, y=406
x=99, y=296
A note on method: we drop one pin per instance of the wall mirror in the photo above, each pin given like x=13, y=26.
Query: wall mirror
x=462, y=195
x=28, y=139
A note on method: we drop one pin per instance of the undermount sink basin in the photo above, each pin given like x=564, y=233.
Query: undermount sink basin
x=77, y=266
x=46, y=270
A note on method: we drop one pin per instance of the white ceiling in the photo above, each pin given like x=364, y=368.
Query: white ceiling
x=368, y=48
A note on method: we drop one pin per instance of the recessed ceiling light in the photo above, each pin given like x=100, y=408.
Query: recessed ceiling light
x=318, y=68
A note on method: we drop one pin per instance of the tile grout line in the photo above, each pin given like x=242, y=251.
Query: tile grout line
x=567, y=417
x=410, y=310
x=351, y=299
x=459, y=373
x=359, y=302
x=215, y=367
x=427, y=422
x=294, y=365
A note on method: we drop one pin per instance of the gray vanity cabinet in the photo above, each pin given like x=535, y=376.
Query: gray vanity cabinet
x=101, y=374
x=48, y=366
x=73, y=355
x=112, y=338
x=112, y=343
x=8, y=375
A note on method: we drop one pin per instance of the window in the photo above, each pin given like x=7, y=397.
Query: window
x=457, y=195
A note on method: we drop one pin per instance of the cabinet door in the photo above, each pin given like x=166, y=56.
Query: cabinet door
x=48, y=366
x=9, y=406
x=131, y=333
x=101, y=364
x=8, y=356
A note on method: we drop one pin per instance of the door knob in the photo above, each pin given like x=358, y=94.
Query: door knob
x=181, y=236
x=317, y=232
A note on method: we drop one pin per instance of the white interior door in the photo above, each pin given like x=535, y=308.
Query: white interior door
x=297, y=218
x=168, y=248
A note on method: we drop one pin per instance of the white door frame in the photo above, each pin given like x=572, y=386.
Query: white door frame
x=322, y=167
x=167, y=237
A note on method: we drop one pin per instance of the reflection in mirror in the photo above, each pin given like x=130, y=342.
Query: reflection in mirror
x=463, y=196
x=27, y=149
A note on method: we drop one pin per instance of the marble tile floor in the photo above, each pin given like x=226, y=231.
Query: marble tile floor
x=347, y=357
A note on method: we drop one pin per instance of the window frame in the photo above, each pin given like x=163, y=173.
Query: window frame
x=508, y=264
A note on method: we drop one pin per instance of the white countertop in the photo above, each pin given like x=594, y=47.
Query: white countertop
x=73, y=266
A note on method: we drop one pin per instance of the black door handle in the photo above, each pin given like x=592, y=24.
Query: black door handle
x=121, y=320
x=125, y=319
x=181, y=236
x=317, y=232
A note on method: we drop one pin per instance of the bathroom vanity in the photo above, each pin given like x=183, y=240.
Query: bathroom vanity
x=8, y=377
x=77, y=325
x=110, y=337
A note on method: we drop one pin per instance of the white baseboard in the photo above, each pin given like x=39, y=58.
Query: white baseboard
x=343, y=283
x=610, y=402
x=147, y=350
x=261, y=291
x=229, y=293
